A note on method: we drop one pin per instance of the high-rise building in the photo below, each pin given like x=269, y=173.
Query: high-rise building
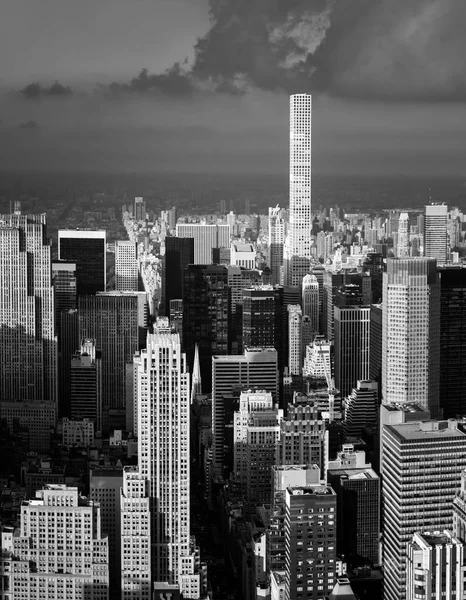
x=262, y=318
x=87, y=249
x=86, y=384
x=352, y=346
x=295, y=339
x=163, y=398
x=277, y=233
x=318, y=361
x=68, y=344
x=411, y=332
x=59, y=550
x=257, y=368
x=436, y=240
x=243, y=255
x=297, y=251
x=310, y=301
x=179, y=253
x=357, y=487
x=28, y=344
x=421, y=470
x=361, y=408
x=139, y=209
x=231, y=221
x=64, y=287
x=112, y=319
x=452, y=340
x=402, y=246
x=135, y=531
x=105, y=485
x=206, y=237
x=126, y=266
x=256, y=432
x=310, y=543
x=206, y=314
x=459, y=510
x=436, y=566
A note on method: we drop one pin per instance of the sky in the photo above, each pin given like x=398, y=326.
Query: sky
x=203, y=85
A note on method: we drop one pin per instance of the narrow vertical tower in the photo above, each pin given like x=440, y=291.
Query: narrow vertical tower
x=28, y=346
x=298, y=244
x=163, y=394
x=196, y=387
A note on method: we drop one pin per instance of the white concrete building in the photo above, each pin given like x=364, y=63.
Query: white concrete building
x=59, y=551
x=243, y=255
x=126, y=266
x=206, y=237
x=295, y=344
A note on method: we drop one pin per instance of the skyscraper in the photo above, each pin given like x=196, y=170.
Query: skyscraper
x=28, y=344
x=310, y=301
x=436, y=242
x=262, y=318
x=276, y=243
x=59, y=551
x=411, y=332
x=139, y=209
x=86, y=384
x=297, y=251
x=402, y=246
x=88, y=250
x=179, y=253
x=352, y=346
x=295, y=335
x=206, y=237
x=421, y=471
x=64, y=287
x=126, y=266
x=163, y=398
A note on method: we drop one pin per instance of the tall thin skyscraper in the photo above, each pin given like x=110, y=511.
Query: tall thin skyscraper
x=411, y=332
x=179, y=253
x=126, y=266
x=435, y=232
x=28, y=344
x=295, y=339
x=88, y=250
x=402, y=246
x=64, y=286
x=163, y=397
x=276, y=243
x=297, y=252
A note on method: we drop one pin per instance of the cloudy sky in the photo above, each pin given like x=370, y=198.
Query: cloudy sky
x=203, y=85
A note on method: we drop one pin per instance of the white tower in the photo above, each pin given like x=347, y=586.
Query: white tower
x=126, y=266
x=402, y=247
x=298, y=244
x=295, y=333
x=163, y=398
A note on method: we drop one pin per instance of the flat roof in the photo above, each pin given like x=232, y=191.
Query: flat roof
x=355, y=473
x=421, y=430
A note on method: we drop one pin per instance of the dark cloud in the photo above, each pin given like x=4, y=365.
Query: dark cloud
x=379, y=49
x=28, y=125
x=33, y=91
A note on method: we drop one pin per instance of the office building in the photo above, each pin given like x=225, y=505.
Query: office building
x=28, y=344
x=421, y=468
x=357, y=487
x=402, y=245
x=64, y=288
x=310, y=301
x=318, y=360
x=69, y=342
x=452, y=340
x=59, y=550
x=262, y=318
x=163, y=399
x=135, y=531
x=436, y=239
x=139, y=209
x=126, y=266
x=243, y=255
x=206, y=237
x=375, y=344
x=411, y=332
x=231, y=220
x=459, y=510
x=295, y=340
x=310, y=543
x=176, y=315
x=77, y=433
x=105, y=487
x=86, y=384
x=297, y=250
x=332, y=282
x=436, y=566
x=361, y=408
x=113, y=320
x=87, y=249
x=179, y=253
x=277, y=232
x=206, y=314
x=352, y=346
x=257, y=368
x=256, y=432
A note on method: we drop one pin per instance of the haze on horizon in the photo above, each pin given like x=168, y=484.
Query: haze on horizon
x=202, y=85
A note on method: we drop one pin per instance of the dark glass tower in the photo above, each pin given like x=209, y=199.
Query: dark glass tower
x=452, y=340
x=88, y=250
x=179, y=253
x=206, y=315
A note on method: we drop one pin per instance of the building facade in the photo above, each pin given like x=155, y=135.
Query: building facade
x=126, y=266
x=88, y=250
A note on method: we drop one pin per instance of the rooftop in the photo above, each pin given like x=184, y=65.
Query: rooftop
x=422, y=430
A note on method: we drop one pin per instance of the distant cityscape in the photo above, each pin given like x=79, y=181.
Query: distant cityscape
x=233, y=395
